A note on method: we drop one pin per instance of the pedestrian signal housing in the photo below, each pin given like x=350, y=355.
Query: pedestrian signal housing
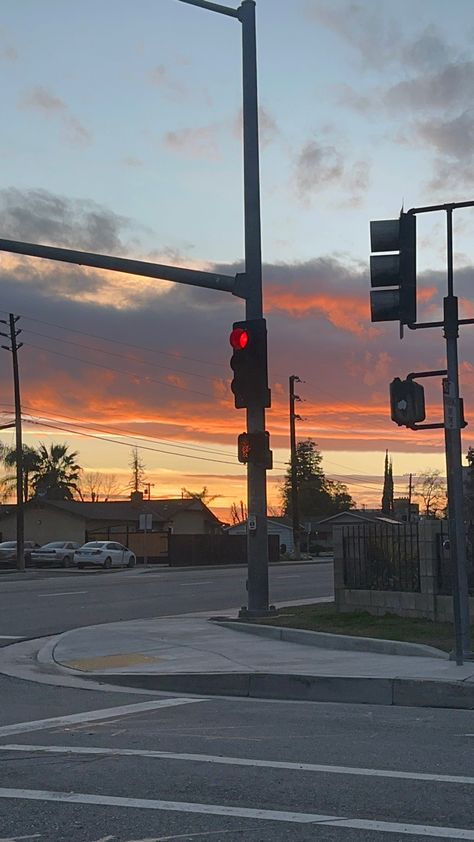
x=407, y=402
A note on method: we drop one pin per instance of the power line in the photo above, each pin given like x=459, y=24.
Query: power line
x=120, y=371
x=41, y=423
x=120, y=356
x=123, y=343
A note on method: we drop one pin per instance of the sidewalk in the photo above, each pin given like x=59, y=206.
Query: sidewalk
x=193, y=654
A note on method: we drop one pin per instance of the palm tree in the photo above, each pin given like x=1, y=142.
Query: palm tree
x=29, y=464
x=56, y=474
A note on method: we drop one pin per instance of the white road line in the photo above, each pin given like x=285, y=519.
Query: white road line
x=61, y=593
x=92, y=715
x=240, y=761
x=434, y=831
x=13, y=637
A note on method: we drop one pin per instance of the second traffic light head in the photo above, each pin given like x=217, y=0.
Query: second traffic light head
x=249, y=363
x=393, y=273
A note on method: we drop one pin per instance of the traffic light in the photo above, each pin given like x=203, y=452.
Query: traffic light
x=395, y=270
x=249, y=363
x=255, y=448
x=407, y=402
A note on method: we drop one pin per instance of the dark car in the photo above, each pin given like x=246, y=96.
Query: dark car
x=8, y=552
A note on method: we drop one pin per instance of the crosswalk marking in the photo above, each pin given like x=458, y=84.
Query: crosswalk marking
x=93, y=715
x=433, y=831
x=240, y=761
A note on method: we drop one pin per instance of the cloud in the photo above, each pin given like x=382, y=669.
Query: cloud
x=268, y=126
x=40, y=99
x=198, y=142
x=319, y=167
x=168, y=84
x=42, y=217
x=446, y=89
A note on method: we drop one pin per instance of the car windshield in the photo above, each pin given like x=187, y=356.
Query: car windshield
x=53, y=545
x=7, y=545
x=95, y=544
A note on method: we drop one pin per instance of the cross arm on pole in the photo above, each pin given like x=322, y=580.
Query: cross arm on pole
x=213, y=7
x=179, y=275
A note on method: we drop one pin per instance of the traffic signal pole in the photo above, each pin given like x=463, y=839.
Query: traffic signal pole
x=452, y=435
x=257, y=540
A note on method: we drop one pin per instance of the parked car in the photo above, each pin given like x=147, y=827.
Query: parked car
x=8, y=552
x=56, y=552
x=104, y=554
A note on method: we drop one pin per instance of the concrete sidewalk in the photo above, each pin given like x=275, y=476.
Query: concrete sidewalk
x=193, y=654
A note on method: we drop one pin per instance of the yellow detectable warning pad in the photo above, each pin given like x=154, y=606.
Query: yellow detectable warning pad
x=112, y=661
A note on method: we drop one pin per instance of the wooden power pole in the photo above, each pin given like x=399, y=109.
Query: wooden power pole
x=20, y=525
x=294, y=477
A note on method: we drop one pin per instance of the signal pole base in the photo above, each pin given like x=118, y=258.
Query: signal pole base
x=466, y=656
x=251, y=614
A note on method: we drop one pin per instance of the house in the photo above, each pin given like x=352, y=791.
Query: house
x=322, y=528
x=55, y=520
x=276, y=526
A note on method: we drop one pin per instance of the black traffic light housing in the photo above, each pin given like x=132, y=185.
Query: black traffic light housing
x=393, y=273
x=255, y=448
x=407, y=402
x=249, y=363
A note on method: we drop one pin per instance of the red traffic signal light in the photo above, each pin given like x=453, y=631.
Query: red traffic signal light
x=249, y=364
x=239, y=338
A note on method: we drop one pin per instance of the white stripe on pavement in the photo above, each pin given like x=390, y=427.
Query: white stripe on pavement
x=92, y=716
x=435, y=832
x=61, y=593
x=10, y=637
x=241, y=761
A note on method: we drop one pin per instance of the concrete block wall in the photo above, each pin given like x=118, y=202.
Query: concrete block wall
x=425, y=603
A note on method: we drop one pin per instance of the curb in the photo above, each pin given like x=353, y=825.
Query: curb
x=325, y=640
x=305, y=688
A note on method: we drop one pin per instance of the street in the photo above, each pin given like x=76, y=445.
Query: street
x=56, y=601
x=106, y=764
x=190, y=768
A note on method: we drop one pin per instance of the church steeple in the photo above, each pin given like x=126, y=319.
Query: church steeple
x=387, y=494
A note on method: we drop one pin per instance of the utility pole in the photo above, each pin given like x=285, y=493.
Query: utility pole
x=148, y=486
x=294, y=475
x=20, y=525
x=410, y=491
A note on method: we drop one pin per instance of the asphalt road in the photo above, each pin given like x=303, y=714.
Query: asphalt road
x=54, y=602
x=230, y=770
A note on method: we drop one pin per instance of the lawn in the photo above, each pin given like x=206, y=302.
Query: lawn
x=325, y=618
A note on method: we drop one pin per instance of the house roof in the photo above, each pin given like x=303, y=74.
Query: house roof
x=122, y=510
x=351, y=515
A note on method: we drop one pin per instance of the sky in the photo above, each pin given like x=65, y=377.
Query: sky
x=121, y=134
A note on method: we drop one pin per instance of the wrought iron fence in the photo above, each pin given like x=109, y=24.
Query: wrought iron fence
x=379, y=556
x=444, y=562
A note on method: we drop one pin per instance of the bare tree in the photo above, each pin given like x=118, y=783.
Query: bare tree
x=238, y=514
x=138, y=471
x=203, y=496
x=98, y=487
x=430, y=488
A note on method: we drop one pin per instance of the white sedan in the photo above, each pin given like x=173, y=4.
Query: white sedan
x=104, y=554
x=56, y=552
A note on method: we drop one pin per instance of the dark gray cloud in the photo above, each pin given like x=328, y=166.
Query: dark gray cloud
x=321, y=166
x=453, y=138
x=39, y=216
x=447, y=89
